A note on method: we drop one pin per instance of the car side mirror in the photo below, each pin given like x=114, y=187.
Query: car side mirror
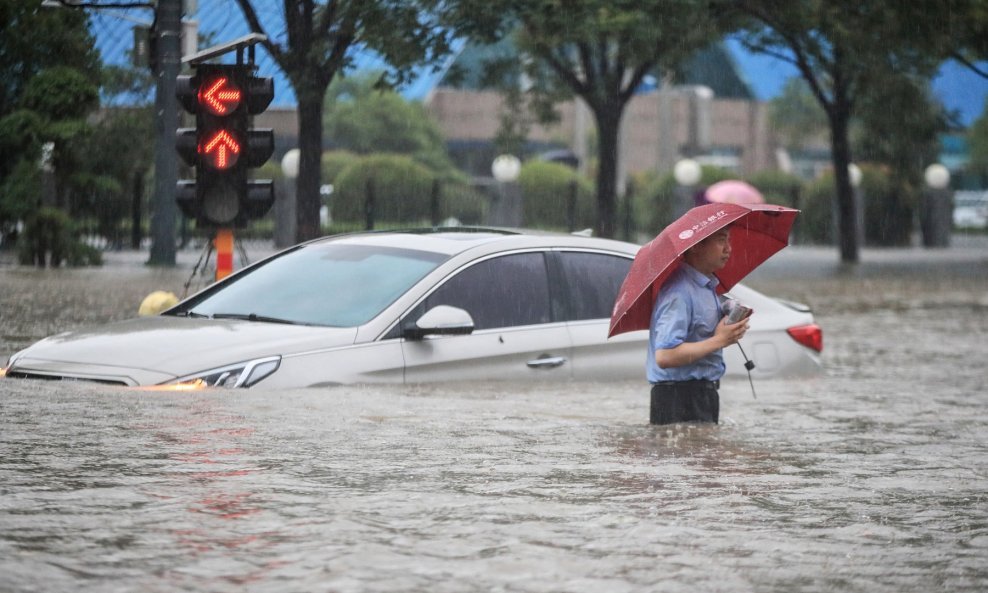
x=441, y=320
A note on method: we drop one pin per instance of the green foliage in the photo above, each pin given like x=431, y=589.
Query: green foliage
x=977, y=138
x=548, y=190
x=401, y=189
x=60, y=93
x=403, y=193
x=335, y=162
x=817, y=218
x=461, y=201
x=655, y=204
x=318, y=42
x=889, y=207
x=836, y=47
x=103, y=188
x=796, y=114
x=900, y=123
x=34, y=39
x=20, y=191
x=48, y=240
x=597, y=50
x=383, y=121
x=778, y=187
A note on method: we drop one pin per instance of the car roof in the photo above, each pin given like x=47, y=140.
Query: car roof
x=452, y=241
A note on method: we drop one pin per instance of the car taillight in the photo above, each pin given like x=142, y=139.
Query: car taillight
x=810, y=336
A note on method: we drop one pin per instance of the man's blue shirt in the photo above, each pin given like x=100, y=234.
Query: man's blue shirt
x=686, y=310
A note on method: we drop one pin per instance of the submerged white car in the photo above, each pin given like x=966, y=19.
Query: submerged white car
x=413, y=306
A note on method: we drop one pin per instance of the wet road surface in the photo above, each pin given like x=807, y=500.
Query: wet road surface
x=870, y=478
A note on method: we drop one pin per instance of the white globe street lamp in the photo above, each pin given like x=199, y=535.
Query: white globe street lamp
x=937, y=176
x=854, y=172
x=506, y=168
x=506, y=209
x=687, y=172
x=289, y=163
x=284, y=208
x=936, y=209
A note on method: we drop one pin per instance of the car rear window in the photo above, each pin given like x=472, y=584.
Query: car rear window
x=593, y=280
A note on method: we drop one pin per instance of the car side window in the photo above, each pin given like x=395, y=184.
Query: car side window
x=593, y=280
x=505, y=291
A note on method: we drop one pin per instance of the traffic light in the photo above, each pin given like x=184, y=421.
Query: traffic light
x=222, y=147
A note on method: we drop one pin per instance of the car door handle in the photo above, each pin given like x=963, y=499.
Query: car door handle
x=546, y=362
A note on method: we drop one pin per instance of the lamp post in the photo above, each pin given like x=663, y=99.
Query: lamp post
x=284, y=206
x=687, y=173
x=855, y=175
x=507, y=210
x=937, y=207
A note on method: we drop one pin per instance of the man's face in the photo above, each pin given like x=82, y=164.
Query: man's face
x=712, y=253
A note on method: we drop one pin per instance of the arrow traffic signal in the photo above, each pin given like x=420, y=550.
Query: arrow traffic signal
x=222, y=147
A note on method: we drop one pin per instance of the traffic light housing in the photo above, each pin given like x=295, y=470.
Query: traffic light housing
x=223, y=147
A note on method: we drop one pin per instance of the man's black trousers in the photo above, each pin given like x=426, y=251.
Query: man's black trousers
x=684, y=401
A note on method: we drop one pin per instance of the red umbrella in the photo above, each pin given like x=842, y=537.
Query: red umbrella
x=758, y=231
x=732, y=191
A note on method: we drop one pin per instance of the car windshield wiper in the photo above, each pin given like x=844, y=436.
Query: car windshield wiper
x=253, y=317
x=189, y=313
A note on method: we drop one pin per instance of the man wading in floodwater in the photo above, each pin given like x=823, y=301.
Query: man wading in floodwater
x=687, y=336
x=671, y=289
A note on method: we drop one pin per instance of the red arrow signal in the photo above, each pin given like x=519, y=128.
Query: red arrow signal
x=220, y=96
x=221, y=150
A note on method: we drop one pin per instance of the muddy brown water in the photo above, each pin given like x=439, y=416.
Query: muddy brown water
x=870, y=478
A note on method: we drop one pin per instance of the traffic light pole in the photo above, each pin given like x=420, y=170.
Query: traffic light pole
x=223, y=147
x=168, y=33
x=223, y=242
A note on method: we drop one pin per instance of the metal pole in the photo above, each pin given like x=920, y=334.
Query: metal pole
x=167, y=66
x=223, y=241
x=369, y=205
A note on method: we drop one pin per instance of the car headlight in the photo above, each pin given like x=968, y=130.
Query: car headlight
x=244, y=374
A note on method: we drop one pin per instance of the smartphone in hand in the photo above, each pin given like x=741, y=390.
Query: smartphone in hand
x=736, y=311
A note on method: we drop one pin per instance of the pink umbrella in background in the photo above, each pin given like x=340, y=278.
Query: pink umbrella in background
x=732, y=191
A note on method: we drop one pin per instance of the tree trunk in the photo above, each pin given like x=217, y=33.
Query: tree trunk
x=137, y=196
x=847, y=206
x=307, y=200
x=608, y=128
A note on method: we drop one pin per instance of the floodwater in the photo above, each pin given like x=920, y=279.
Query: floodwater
x=870, y=478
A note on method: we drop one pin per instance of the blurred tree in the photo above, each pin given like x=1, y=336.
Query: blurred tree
x=977, y=138
x=796, y=115
x=62, y=97
x=597, y=50
x=964, y=35
x=840, y=47
x=899, y=125
x=364, y=119
x=319, y=41
x=111, y=183
x=128, y=169
x=35, y=40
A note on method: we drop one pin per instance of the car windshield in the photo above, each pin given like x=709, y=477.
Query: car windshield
x=326, y=284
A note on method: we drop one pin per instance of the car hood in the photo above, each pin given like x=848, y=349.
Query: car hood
x=152, y=350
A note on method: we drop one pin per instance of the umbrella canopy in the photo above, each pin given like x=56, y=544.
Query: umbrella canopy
x=733, y=191
x=758, y=231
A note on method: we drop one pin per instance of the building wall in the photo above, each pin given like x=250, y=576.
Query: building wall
x=721, y=125
x=734, y=126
